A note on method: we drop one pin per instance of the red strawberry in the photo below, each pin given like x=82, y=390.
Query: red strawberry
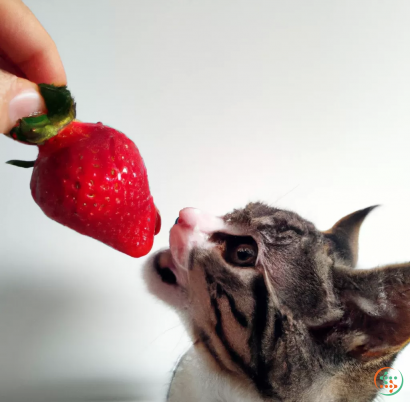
x=89, y=177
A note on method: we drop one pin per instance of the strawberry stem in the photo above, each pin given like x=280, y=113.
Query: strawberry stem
x=39, y=128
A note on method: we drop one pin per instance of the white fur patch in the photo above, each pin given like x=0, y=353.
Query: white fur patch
x=192, y=230
x=194, y=381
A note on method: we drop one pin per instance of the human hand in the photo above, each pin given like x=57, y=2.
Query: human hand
x=28, y=56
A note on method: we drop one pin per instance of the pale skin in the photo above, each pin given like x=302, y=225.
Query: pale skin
x=28, y=56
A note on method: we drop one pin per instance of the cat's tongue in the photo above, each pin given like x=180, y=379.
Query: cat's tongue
x=192, y=229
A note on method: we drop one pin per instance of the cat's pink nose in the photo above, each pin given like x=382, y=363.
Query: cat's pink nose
x=195, y=219
x=191, y=229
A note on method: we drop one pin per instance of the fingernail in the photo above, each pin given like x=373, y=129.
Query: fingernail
x=25, y=104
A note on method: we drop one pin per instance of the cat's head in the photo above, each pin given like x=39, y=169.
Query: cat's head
x=271, y=300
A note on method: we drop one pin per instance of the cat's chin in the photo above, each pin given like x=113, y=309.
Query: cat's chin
x=164, y=280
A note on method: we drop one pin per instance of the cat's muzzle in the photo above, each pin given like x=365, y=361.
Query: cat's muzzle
x=191, y=229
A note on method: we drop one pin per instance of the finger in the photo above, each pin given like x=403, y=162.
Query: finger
x=28, y=46
x=7, y=65
x=18, y=98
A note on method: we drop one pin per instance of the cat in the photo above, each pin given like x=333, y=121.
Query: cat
x=275, y=308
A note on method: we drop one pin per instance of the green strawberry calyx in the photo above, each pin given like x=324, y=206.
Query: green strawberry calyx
x=39, y=128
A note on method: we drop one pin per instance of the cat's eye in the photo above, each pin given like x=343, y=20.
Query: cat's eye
x=244, y=255
x=237, y=250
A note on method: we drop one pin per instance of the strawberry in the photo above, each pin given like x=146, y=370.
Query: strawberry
x=88, y=176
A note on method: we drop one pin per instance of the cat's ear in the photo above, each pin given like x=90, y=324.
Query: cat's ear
x=375, y=318
x=344, y=236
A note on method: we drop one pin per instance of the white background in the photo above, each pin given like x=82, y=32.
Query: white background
x=303, y=104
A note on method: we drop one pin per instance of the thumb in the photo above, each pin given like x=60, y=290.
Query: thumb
x=18, y=98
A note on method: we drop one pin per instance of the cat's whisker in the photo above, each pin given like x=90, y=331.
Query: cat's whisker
x=286, y=194
x=179, y=341
x=163, y=333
